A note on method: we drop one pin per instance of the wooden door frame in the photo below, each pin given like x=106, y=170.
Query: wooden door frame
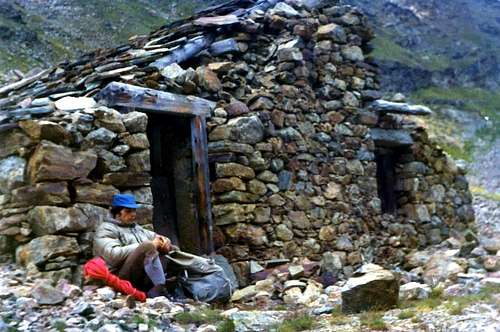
x=197, y=109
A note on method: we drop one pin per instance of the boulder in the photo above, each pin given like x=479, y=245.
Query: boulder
x=52, y=162
x=292, y=295
x=268, y=177
x=377, y=288
x=11, y=173
x=343, y=243
x=443, y=265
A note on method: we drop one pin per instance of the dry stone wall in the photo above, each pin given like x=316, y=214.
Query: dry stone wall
x=59, y=178
x=292, y=160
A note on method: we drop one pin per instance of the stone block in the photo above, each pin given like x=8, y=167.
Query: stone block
x=377, y=288
x=44, y=193
x=95, y=193
x=45, y=130
x=135, y=122
x=333, y=32
x=127, y=179
x=11, y=173
x=234, y=170
x=12, y=140
x=43, y=249
x=137, y=141
x=52, y=162
x=139, y=162
x=51, y=220
x=228, y=184
x=247, y=130
x=231, y=213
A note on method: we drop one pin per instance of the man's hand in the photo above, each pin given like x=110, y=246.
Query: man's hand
x=162, y=244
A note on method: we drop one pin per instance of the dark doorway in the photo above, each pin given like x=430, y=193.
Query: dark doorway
x=173, y=180
x=386, y=179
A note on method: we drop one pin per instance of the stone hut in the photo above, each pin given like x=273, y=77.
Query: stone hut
x=254, y=129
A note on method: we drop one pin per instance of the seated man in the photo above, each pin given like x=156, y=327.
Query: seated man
x=131, y=251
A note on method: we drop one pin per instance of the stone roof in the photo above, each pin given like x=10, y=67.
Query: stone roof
x=213, y=31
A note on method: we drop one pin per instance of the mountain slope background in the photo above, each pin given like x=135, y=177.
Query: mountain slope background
x=43, y=32
x=443, y=53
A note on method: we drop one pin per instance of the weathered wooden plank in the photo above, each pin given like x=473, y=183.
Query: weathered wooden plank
x=158, y=42
x=22, y=83
x=121, y=94
x=384, y=106
x=224, y=46
x=215, y=21
x=391, y=138
x=35, y=111
x=200, y=166
x=188, y=50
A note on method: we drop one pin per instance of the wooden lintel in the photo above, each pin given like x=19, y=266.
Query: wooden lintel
x=384, y=106
x=126, y=95
x=391, y=138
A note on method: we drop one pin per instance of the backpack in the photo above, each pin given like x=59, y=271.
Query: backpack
x=202, y=278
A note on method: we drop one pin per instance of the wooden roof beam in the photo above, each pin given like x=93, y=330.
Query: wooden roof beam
x=126, y=95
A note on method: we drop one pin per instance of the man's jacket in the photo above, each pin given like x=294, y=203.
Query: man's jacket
x=114, y=241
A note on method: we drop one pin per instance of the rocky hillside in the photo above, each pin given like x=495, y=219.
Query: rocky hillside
x=40, y=33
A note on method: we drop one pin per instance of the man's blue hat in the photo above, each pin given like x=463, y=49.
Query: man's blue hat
x=124, y=200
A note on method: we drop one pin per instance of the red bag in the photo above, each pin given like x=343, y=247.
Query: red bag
x=96, y=268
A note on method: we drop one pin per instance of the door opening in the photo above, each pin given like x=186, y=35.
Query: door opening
x=386, y=179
